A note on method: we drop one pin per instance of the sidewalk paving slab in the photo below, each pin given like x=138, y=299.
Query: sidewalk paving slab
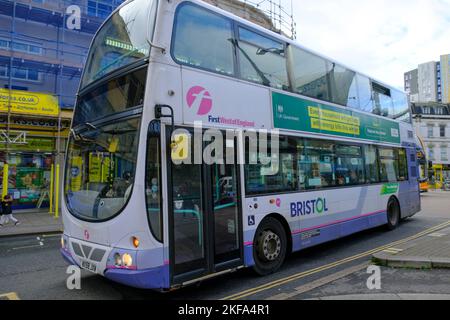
x=37, y=222
x=387, y=297
x=431, y=251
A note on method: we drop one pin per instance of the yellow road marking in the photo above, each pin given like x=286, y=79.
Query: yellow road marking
x=10, y=296
x=304, y=274
x=320, y=282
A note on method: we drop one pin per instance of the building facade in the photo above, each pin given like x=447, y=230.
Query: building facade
x=430, y=82
x=432, y=123
x=43, y=46
x=445, y=78
x=412, y=84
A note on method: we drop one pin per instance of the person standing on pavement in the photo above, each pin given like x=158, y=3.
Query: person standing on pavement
x=7, y=213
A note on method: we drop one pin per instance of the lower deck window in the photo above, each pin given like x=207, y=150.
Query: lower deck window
x=312, y=164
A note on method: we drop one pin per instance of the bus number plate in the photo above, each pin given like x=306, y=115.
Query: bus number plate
x=89, y=266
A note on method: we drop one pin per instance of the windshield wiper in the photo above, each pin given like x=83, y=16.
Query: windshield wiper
x=79, y=136
x=261, y=74
x=91, y=125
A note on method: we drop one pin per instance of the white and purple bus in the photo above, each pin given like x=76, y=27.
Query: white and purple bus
x=136, y=212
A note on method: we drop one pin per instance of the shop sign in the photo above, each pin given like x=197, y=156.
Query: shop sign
x=28, y=103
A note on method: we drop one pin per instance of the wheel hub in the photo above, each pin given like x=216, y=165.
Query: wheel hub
x=271, y=245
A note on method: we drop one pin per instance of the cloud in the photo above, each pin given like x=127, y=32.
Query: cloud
x=381, y=38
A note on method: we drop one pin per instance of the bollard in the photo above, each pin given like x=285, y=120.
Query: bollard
x=57, y=193
x=50, y=194
x=5, y=180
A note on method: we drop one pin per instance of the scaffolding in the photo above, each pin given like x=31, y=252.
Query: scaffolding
x=280, y=12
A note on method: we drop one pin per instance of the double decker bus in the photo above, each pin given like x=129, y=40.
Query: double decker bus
x=342, y=156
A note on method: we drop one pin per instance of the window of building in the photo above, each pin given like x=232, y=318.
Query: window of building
x=310, y=74
x=262, y=60
x=102, y=8
x=21, y=46
x=431, y=153
x=444, y=153
x=20, y=73
x=203, y=39
x=442, y=128
x=430, y=131
x=3, y=71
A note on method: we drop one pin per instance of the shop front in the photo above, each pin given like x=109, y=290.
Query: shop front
x=29, y=147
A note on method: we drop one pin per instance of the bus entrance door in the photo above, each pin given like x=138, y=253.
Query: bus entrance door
x=205, y=219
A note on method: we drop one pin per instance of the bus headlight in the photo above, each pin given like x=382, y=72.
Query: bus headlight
x=127, y=260
x=117, y=260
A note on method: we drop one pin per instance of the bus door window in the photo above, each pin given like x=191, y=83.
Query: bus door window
x=225, y=208
x=188, y=216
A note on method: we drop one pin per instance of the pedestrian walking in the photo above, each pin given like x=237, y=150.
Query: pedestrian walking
x=7, y=213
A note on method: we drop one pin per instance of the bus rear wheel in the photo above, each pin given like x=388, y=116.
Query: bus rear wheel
x=393, y=214
x=270, y=246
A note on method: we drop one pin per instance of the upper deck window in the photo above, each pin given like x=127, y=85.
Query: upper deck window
x=121, y=41
x=310, y=74
x=203, y=40
x=383, y=104
x=262, y=60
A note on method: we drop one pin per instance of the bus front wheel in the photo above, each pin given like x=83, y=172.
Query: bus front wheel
x=270, y=246
x=393, y=214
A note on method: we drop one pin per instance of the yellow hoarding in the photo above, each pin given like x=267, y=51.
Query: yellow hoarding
x=30, y=103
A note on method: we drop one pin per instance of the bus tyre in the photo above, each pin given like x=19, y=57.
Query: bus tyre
x=270, y=246
x=393, y=214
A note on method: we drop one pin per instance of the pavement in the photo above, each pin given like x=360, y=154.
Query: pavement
x=31, y=223
x=428, y=252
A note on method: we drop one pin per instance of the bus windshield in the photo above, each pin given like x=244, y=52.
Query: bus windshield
x=101, y=163
x=121, y=41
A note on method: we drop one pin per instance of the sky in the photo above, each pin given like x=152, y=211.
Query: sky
x=380, y=38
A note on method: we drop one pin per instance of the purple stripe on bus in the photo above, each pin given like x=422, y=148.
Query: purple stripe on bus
x=122, y=268
x=337, y=222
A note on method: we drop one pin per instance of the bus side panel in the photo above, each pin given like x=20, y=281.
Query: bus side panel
x=344, y=212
